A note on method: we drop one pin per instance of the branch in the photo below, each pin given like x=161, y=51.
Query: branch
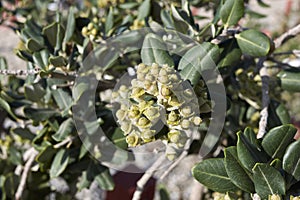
x=144, y=179
x=179, y=159
x=26, y=169
x=263, y=72
x=63, y=143
x=286, y=36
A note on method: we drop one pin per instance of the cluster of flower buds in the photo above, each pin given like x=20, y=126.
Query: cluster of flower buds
x=93, y=29
x=157, y=104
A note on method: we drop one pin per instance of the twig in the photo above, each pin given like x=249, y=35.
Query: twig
x=144, y=179
x=64, y=142
x=19, y=72
x=25, y=172
x=179, y=159
x=286, y=36
x=263, y=72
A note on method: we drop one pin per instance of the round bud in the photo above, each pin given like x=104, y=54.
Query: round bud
x=174, y=136
x=84, y=31
x=172, y=116
x=143, y=122
x=95, y=20
x=186, y=111
x=132, y=140
x=185, y=124
x=126, y=127
x=165, y=91
x=163, y=72
x=90, y=26
x=94, y=32
x=197, y=120
x=121, y=114
x=163, y=79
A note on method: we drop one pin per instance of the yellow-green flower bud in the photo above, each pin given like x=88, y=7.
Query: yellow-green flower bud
x=84, y=31
x=188, y=93
x=95, y=20
x=90, y=26
x=174, y=136
x=134, y=112
x=172, y=151
x=126, y=127
x=154, y=69
x=94, y=32
x=148, y=135
x=165, y=91
x=149, y=77
x=137, y=92
x=197, y=120
x=186, y=111
x=142, y=68
x=152, y=113
x=185, y=124
x=163, y=72
x=143, y=122
x=132, y=139
x=153, y=90
x=173, y=118
x=173, y=101
x=274, y=197
x=121, y=114
x=163, y=79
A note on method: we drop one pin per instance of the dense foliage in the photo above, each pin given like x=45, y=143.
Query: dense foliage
x=60, y=118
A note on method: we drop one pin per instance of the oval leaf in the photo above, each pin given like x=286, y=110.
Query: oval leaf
x=212, y=174
x=59, y=164
x=267, y=180
x=291, y=160
x=253, y=43
x=290, y=81
x=197, y=59
x=277, y=139
x=64, y=130
x=236, y=172
x=155, y=51
x=232, y=11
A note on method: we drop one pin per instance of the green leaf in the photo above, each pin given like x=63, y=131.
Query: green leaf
x=109, y=22
x=24, y=133
x=236, y=172
x=64, y=130
x=118, y=138
x=144, y=10
x=163, y=192
x=41, y=59
x=63, y=99
x=6, y=107
x=267, y=180
x=54, y=33
x=101, y=175
x=181, y=24
x=128, y=5
x=230, y=54
x=212, y=174
x=155, y=51
x=79, y=89
x=277, y=139
x=45, y=157
x=57, y=61
x=290, y=80
x=71, y=25
x=291, y=160
x=34, y=92
x=83, y=182
x=167, y=19
x=232, y=11
x=33, y=46
x=197, y=59
x=60, y=163
x=253, y=43
x=248, y=152
x=39, y=114
x=10, y=185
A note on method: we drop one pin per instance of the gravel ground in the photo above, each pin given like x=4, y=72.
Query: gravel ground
x=9, y=40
